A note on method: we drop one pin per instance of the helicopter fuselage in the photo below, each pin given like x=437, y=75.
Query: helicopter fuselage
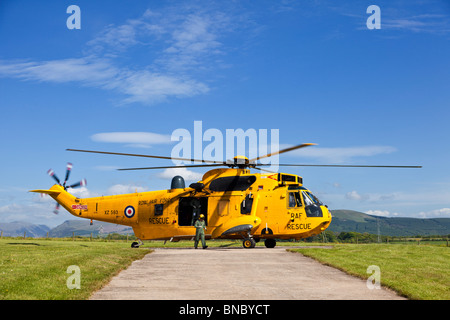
x=236, y=203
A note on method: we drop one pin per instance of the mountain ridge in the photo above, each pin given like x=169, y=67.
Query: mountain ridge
x=350, y=220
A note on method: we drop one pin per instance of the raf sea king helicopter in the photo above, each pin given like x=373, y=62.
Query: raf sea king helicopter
x=236, y=203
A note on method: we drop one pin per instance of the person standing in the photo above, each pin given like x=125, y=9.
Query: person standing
x=200, y=227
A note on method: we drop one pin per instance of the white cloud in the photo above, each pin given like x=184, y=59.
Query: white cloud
x=147, y=87
x=138, y=85
x=98, y=72
x=176, y=39
x=437, y=213
x=135, y=139
x=354, y=195
x=188, y=175
x=33, y=212
x=430, y=23
x=114, y=39
x=81, y=192
x=340, y=155
x=382, y=213
x=125, y=188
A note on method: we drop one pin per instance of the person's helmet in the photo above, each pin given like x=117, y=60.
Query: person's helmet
x=202, y=216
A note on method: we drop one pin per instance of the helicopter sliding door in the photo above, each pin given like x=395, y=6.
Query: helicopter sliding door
x=189, y=210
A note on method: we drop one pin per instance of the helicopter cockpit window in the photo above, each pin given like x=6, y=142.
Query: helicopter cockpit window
x=294, y=200
x=307, y=199
x=291, y=199
x=314, y=198
x=312, y=205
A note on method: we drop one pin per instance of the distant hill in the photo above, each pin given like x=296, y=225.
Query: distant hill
x=83, y=228
x=348, y=220
x=17, y=229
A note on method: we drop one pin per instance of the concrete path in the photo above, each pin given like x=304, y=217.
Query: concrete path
x=235, y=274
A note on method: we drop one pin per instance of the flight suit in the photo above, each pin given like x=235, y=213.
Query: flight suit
x=200, y=227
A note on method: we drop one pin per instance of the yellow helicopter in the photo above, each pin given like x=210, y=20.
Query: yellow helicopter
x=236, y=204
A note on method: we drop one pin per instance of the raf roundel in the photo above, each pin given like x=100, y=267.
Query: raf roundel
x=129, y=211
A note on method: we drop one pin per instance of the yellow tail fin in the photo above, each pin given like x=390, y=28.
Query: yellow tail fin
x=50, y=192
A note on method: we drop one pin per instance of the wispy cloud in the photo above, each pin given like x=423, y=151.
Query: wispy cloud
x=400, y=15
x=436, y=213
x=341, y=155
x=430, y=23
x=176, y=41
x=124, y=189
x=140, y=86
x=382, y=213
x=185, y=173
x=133, y=139
x=97, y=72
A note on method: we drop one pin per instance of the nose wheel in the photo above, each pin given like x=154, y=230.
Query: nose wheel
x=249, y=243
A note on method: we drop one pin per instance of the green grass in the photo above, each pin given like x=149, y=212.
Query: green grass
x=37, y=269
x=416, y=272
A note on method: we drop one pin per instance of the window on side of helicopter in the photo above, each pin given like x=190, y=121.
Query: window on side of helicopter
x=298, y=200
x=294, y=200
x=233, y=183
x=291, y=202
x=159, y=208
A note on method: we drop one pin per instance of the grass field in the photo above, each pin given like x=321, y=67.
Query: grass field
x=37, y=269
x=416, y=272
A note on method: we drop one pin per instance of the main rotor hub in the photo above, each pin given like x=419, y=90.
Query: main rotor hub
x=241, y=162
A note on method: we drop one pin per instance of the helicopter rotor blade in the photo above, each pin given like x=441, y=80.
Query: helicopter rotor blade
x=337, y=165
x=81, y=183
x=283, y=151
x=52, y=174
x=263, y=170
x=68, y=169
x=56, y=210
x=147, y=156
x=174, y=167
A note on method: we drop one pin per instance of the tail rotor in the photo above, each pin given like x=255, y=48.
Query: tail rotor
x=52, y=174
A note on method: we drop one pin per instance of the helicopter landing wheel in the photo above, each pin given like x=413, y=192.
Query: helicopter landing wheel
x=270, y=243
x=249, y=243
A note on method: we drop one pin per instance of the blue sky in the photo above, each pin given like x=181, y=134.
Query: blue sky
x=136, y=72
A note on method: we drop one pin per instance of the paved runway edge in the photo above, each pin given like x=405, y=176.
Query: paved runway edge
x=235, y=274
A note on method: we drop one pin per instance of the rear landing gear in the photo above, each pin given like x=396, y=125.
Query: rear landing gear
x=270, y=243
x=137, y=244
